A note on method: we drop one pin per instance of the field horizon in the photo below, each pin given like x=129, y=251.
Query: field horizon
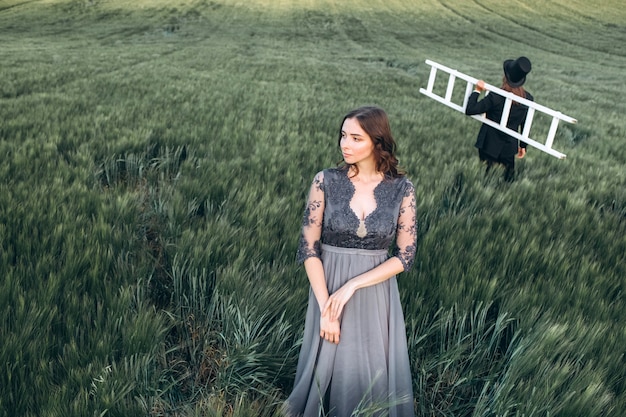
x=157, y=156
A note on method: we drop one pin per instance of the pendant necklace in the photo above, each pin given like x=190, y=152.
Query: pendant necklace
x=361, y=231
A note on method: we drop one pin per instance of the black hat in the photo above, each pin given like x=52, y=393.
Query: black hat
x=515, y=71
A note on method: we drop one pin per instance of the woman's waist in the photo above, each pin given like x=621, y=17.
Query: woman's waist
x=353, y=251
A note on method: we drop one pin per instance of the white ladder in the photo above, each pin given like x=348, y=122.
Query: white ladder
x=532, y=108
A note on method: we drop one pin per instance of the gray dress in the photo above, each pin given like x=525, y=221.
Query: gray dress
x=370, y=365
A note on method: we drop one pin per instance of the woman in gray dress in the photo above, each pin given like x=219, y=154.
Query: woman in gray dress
x=354, y=351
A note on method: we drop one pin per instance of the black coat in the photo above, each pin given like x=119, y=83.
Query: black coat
x=491, y=141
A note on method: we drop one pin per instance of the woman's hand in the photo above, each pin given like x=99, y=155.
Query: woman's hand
x=329, y=329
x=336, y=302
x=480, y=86
x=521, y=152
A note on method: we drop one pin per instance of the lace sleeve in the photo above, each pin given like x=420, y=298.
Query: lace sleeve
x=406, y=233
x=311, y=234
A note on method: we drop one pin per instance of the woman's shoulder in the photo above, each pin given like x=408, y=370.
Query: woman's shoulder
x=403, y=183
x=494, y=97
x=334, y=172
x=401, y=177
x=407, y=183
x=329, y=174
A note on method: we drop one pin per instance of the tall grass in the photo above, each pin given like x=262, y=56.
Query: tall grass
x=156, y=160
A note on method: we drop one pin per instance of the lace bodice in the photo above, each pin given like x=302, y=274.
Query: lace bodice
x=329, y=219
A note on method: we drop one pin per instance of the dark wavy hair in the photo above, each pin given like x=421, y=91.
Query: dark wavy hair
x=374, y=121
x=518, y=91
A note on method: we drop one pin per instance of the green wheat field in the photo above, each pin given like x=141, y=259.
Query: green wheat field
x=156, y=157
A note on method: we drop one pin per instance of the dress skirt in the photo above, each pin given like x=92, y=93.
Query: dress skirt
x=369, y=368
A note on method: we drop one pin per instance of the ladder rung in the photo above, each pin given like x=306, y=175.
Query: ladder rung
x=450, y=87
x=505, y=112
x=552, y=132
x=529, y=121
x=431, y=79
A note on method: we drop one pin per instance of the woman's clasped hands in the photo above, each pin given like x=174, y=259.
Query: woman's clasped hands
x=330, y=327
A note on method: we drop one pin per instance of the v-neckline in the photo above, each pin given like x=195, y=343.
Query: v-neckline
x=349, y=200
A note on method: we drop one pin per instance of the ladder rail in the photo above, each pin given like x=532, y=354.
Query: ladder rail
x=533, y=107
x=545, y=148
x=501, y=92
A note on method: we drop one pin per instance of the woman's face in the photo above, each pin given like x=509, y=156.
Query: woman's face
x=356, y=145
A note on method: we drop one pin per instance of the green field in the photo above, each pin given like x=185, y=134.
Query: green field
x=156, y=159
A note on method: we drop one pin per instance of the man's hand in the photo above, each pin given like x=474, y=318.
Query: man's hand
x=521, y=152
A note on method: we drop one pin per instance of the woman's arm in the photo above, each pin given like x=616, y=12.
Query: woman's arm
x=315, y=272
x=336, y=302
x=478, y=107
x=330, y=329
x=309, y=252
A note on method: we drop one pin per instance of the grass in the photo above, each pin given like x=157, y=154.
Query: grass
x=156, y=160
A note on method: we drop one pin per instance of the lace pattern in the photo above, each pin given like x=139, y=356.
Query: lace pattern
x=328, y=217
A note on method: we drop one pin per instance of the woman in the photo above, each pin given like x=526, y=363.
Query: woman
x=354, y=351
x=493, y=145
